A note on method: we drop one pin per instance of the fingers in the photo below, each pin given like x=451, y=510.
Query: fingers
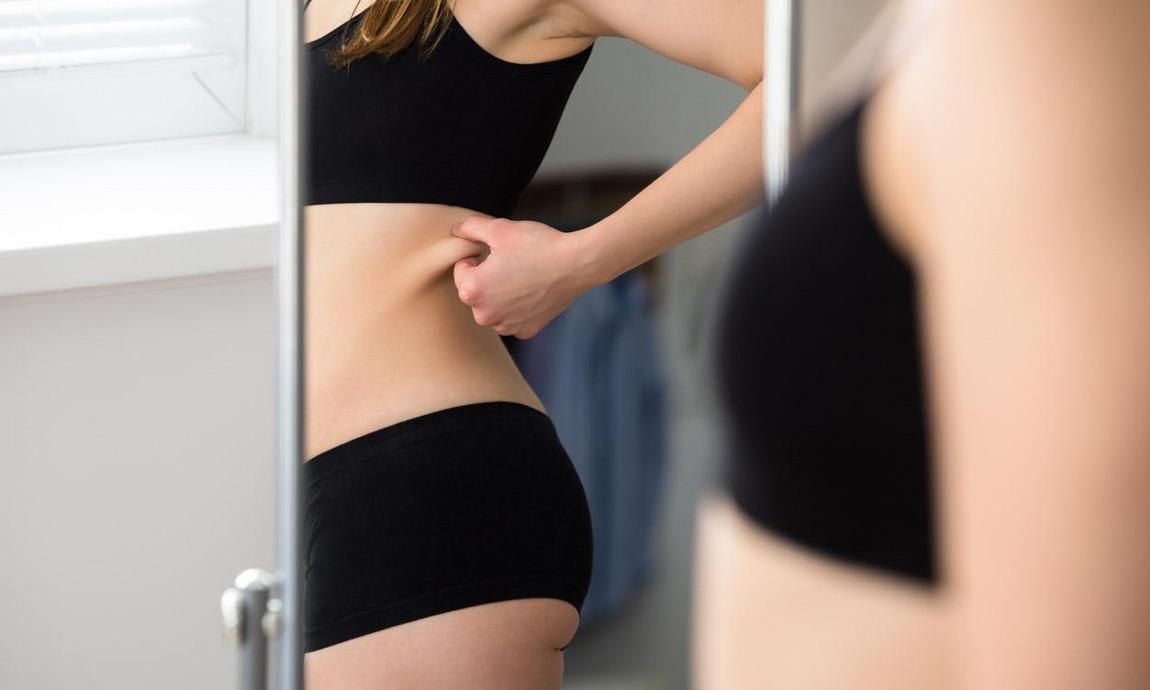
x=465, y=282
x=455, y=248
x=476, y=228
x=443, y=254
x=520, y=330
x=484, y=318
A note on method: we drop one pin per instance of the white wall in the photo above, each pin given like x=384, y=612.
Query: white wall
x=136, y=479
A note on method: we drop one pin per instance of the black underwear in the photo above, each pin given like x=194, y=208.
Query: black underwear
x=454, y=508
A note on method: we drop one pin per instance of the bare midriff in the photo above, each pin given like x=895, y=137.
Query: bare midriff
x=386, y=336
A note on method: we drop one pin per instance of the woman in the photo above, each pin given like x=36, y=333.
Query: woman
x=447, y=536
x=977, y=519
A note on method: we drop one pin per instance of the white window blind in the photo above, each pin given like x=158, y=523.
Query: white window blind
x=40, y=34
x=82, y=72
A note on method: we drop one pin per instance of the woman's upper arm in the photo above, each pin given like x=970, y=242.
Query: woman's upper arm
x=722, y=37
x=1035, y=286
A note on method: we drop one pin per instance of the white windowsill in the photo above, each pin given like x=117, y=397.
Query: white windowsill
x=117, y=214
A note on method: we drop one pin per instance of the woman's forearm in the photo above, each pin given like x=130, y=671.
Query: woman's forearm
x=718, y=180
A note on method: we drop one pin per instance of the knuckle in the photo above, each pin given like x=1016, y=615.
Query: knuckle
x=500, y=226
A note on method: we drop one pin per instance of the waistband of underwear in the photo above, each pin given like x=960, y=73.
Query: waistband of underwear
x=471, y=416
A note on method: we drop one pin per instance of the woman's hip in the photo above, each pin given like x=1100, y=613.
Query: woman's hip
x=461, y=506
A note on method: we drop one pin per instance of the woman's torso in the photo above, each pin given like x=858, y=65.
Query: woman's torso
x=387, y=337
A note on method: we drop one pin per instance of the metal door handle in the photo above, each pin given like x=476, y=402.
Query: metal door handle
x=252, y=616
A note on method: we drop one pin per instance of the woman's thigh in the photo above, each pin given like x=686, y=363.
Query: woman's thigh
x=505, y=645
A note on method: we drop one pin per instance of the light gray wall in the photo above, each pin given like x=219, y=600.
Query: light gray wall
x=634, y=107
x=136, y=479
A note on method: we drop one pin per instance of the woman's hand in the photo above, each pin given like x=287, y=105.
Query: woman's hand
x=531, y=273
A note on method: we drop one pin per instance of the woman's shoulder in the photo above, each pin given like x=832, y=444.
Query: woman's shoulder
x=875, y=73
x=1001, y=109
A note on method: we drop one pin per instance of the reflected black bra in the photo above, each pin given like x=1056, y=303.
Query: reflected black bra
x=460, y=127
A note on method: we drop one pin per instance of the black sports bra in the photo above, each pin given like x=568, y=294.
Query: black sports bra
x=819, y=371
x=461, y=127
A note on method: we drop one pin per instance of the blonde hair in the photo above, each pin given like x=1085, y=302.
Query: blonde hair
x=390, y=26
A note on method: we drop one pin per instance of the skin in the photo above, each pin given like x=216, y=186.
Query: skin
x=1033, y=229
x=1007, y=155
